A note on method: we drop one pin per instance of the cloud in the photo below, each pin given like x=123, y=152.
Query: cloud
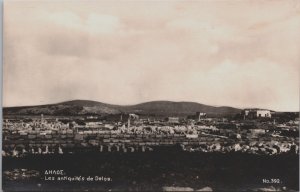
x=94, y=23
x=218, y=53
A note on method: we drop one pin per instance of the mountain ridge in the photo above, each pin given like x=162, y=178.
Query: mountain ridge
x=88, y=107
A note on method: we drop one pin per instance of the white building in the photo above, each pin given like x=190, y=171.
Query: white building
x=256, y=113
x=200, y=115
x=263, y=113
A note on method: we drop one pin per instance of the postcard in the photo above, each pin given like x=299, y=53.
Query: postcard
x=150, y=95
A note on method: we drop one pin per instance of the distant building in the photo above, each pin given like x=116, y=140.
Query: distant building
x=132, y=117
x=256, y=113
x=173, y=119
x=200, y=115
x=93, y=124
x=91, y=117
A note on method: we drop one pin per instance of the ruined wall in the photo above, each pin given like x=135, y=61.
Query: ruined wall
x=69, y=141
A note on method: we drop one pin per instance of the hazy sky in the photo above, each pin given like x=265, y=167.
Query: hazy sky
x=233, y=53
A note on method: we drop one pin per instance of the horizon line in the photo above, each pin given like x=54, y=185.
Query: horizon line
x=241, y=108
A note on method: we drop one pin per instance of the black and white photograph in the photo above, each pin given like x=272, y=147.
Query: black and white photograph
x=150, y=95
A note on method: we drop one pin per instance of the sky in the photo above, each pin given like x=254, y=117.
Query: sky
x=222, y=53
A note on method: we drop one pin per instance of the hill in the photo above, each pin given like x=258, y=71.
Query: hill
x=86, y=107
x=178, y=108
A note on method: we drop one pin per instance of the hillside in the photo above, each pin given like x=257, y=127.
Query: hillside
x=86, y=107
x=178, y=108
